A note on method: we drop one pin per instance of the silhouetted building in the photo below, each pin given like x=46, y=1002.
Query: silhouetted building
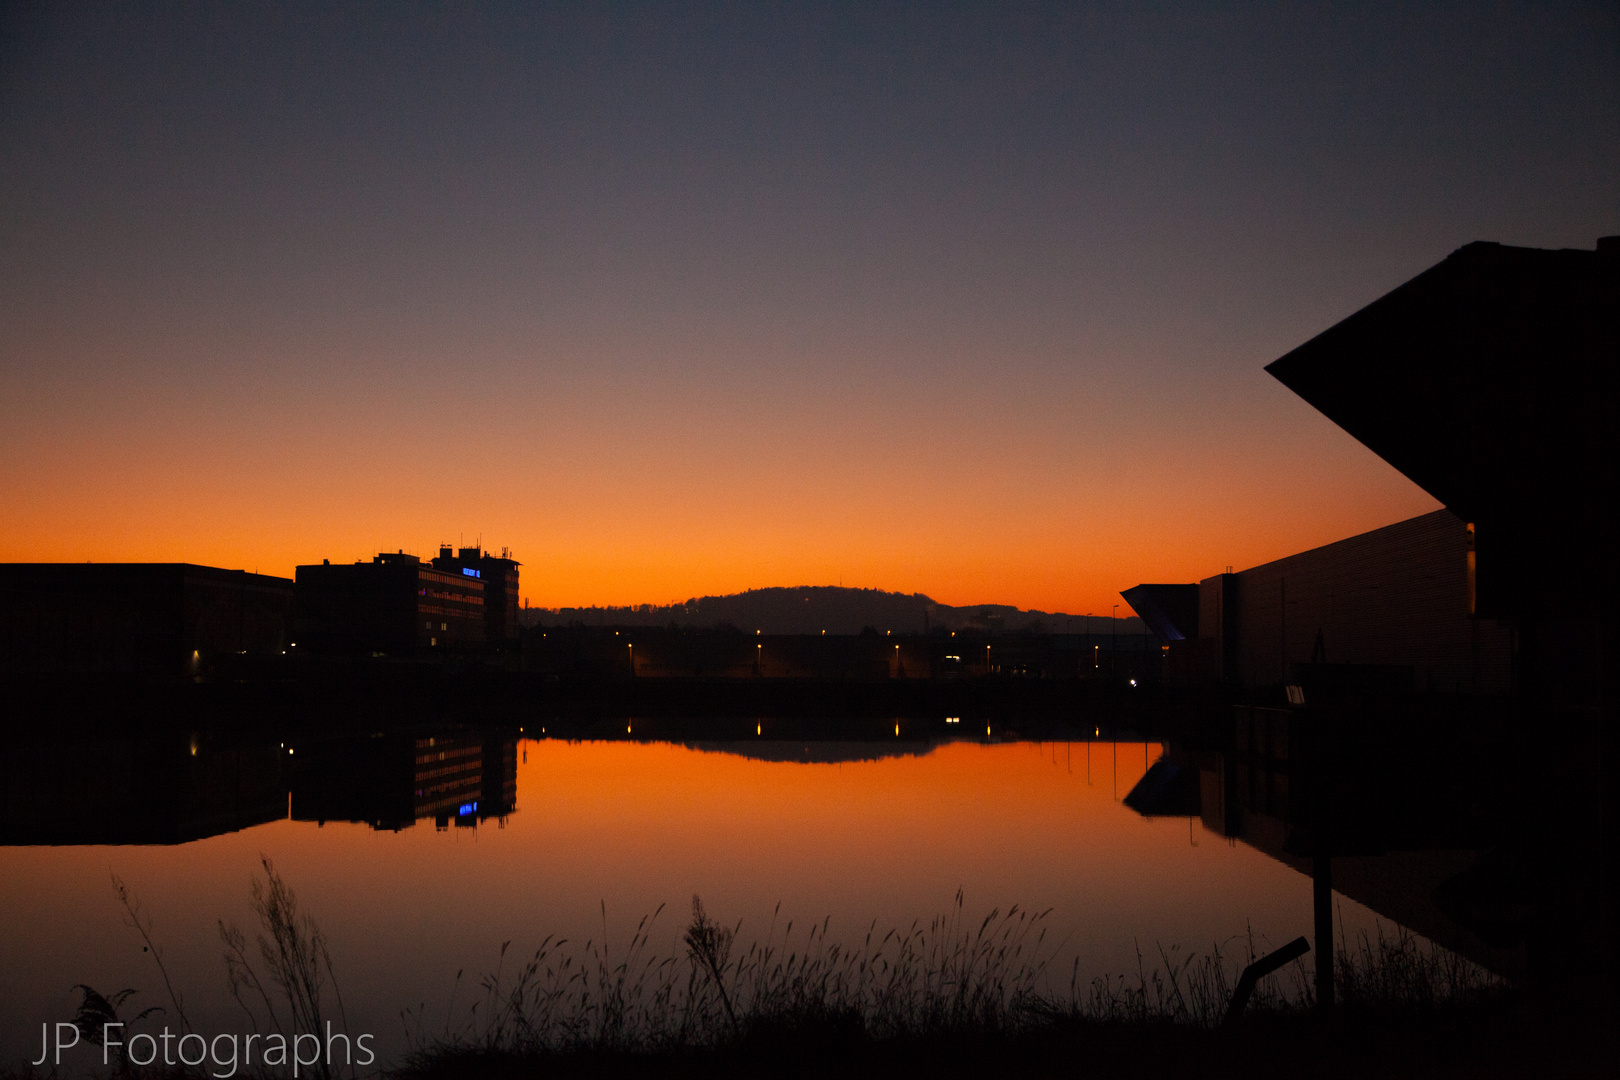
x=1170, y=611
x=160, y=618
x=1487, y=380
x=1395, y=602
x=499, y=573
x=395, y=605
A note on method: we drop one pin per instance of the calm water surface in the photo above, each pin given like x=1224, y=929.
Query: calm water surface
x=624, y=827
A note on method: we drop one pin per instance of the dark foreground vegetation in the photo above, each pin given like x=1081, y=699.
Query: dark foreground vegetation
x=955, y=1000
x=951, y=998
x=1497, y=1037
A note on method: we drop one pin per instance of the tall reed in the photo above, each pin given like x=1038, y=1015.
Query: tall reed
x=951, y=975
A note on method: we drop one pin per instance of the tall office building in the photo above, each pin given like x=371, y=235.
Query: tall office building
x=395, y=605
x=499, y=573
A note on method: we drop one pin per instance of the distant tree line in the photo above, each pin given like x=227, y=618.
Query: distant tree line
x=831, y=609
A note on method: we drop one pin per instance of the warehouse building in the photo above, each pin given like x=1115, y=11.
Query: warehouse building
x=137, y=618
x=1488, y=380
x=1397, y=602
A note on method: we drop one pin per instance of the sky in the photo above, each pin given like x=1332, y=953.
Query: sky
x=674, y=300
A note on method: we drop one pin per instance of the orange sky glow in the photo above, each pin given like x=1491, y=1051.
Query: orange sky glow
x=946, y=303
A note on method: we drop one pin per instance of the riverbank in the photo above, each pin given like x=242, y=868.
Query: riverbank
x=1501, y=1036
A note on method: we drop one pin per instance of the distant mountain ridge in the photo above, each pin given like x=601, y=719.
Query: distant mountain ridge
x=813, y=609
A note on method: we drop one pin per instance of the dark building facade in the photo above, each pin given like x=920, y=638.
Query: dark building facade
x=1400, y=599
x=1489, y=381
x=499, y=573
x=395, y=605
x=155, y=618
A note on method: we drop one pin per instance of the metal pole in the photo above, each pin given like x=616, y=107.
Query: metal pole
x=1113, y=638
x=1322, y=896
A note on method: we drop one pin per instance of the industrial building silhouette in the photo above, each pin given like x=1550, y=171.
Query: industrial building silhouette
x=180, y=619
x=1489, y=381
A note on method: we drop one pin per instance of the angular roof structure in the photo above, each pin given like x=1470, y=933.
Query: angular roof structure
x=1490, y=381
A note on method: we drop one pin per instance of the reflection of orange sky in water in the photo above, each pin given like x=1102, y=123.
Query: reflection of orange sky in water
x=633, y=826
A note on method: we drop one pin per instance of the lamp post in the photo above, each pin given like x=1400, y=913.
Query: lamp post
x=1113, y=639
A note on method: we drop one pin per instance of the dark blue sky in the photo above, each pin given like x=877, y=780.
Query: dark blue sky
x=690, y=273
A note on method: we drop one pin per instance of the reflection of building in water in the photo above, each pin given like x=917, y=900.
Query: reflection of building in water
x=392, y=781
x=159, y=618
x=1408, y=838
x=395, y=605
x=142, y=790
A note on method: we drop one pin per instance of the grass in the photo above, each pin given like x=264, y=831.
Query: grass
x=954, y=997
x=961, y=998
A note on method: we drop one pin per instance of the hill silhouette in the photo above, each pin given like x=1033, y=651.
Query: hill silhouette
x=814, y=609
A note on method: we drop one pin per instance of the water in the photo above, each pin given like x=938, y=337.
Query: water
x=598, y=834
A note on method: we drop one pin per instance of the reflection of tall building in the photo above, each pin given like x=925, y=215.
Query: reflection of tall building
x=160, y=618
x=395, y=605
x=161, y=789
x=499, y=573
x=393, y=781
